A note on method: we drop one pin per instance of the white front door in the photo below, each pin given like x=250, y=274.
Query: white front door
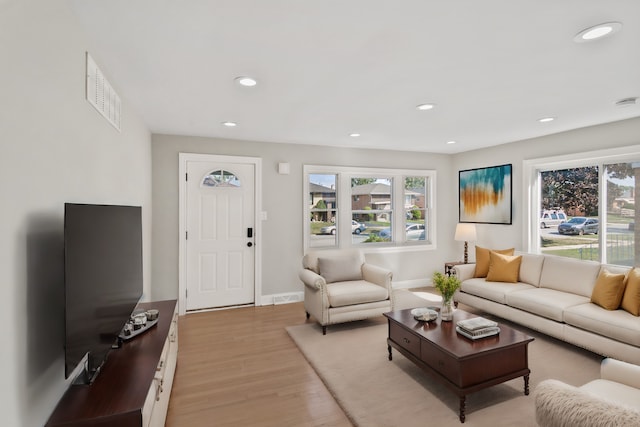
x=220, y=230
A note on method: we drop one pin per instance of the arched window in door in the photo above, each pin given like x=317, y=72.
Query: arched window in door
x=220, y=178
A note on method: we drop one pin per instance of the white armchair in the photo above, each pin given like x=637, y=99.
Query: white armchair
x=612, y=400
x=340, y=287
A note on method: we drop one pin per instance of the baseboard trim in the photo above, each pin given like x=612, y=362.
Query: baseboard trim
x=291, y=297
x=408, y=284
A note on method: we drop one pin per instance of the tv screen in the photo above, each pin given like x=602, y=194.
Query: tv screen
x=103, y=279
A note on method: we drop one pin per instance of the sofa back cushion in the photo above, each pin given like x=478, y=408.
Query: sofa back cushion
x=569, y=275
x=530, y=268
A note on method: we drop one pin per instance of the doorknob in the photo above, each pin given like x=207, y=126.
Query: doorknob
x=249, y=244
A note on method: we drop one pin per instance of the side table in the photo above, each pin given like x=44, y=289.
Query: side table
x=448, y=266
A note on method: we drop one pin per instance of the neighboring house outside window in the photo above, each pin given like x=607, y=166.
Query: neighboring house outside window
x=372, y=207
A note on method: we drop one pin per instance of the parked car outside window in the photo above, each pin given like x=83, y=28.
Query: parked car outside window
x=550, y=218
x=356, y=228
x=579, y=225
x=415, y=231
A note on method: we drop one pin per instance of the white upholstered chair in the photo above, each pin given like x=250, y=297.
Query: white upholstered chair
x=611, y=400
x=340, y=287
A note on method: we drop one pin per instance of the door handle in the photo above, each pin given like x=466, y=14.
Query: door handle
x=249, y=232
x=249, y=244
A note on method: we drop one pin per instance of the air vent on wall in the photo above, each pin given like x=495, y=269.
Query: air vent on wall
x=101, y=95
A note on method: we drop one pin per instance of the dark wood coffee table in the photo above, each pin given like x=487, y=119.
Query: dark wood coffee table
x=462, y=364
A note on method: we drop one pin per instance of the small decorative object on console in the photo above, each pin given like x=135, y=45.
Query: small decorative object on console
x=139, y=322
x=424, y=314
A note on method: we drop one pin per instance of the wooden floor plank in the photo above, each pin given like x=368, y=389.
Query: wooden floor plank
x=239, y=367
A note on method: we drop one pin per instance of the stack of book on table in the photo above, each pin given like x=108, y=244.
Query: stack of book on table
x=477, y=327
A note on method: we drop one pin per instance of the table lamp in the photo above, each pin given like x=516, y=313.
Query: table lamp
x=464, y=233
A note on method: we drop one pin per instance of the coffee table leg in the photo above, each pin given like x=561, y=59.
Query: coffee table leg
x=462, y=408
x=526, y=385
x=389, y=350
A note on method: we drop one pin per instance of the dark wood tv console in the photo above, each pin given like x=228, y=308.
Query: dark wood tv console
x=134, y=385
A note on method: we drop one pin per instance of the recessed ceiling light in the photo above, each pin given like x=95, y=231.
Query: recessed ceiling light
x=424, y=107
x=597, y=31
x=354, y=135
x=246, y=81
x=451, y=142
x=627, y=102
x=230, y=124
x=546, y=119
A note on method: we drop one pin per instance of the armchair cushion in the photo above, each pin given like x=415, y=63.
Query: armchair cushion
x=340, y=269
x=355, y=292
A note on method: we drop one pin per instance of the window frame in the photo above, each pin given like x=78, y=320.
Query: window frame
x=344, y=213
x=532, y=193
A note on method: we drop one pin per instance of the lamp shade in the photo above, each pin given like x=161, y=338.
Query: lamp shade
x=465, y=232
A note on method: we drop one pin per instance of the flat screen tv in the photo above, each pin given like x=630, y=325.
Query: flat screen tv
x=102, y=278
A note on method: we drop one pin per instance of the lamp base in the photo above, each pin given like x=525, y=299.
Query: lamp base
x=466, y=253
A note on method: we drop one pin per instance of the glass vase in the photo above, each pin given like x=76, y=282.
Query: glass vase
x=446, y=312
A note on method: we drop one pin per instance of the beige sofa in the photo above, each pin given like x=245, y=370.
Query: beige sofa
x=553, y=295
x=611, y=400
x=339, y=286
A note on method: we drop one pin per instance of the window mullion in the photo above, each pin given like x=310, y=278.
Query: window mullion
x=343, y=219
x=602, y=211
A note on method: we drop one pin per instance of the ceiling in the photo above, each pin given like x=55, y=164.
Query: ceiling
x=329, y=68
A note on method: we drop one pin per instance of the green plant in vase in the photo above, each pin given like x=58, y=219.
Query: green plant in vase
x=447, y=286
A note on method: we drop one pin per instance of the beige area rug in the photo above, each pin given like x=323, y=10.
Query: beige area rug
x=373, y=391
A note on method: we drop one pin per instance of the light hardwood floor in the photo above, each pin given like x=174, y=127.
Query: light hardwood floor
x=239, y=367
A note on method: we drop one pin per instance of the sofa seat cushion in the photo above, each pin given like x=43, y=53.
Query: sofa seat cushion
x=355, y=292
x=494, y=291
x=544, y=302
x=616, y=324
x=614, y=392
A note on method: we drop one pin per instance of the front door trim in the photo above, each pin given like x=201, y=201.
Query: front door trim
x=183, y=158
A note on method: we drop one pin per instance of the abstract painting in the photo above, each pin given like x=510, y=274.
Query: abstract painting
x=485, y=195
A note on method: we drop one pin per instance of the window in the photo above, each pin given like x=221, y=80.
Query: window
x=372, y=207
x=593, y=200
x=220, y=178
x=322, y=208
x=574, y=191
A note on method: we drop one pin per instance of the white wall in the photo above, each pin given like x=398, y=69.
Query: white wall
x=282, y=245
x=282, y=198
x=54, y=148
x=610, y=135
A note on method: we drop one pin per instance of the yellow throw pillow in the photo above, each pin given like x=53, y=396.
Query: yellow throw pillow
x=631, y=297
x=482, y=260
x=503, y=268
x=608, y=291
